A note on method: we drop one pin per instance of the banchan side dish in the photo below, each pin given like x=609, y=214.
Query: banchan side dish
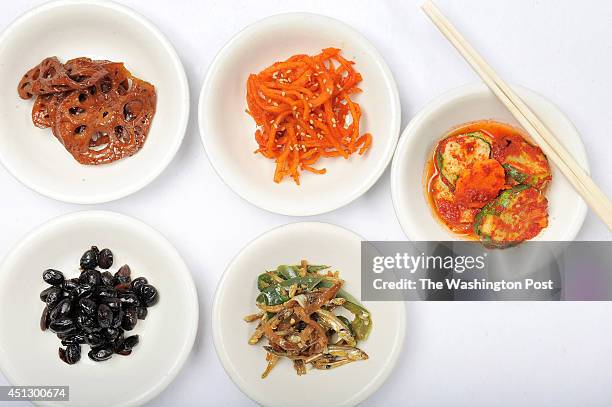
x=486, y=180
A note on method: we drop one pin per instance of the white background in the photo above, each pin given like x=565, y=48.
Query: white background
x=461, y=354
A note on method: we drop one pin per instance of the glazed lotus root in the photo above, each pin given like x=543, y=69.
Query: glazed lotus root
x=108, y=121
x=51, y=76
x=45, y=106
x=96, y=109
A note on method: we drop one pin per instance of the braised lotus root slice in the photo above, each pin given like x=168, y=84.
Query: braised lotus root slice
x=45, y=106
x=116, y=82
x=51, y=76
x=107, y=122
x=47, y=69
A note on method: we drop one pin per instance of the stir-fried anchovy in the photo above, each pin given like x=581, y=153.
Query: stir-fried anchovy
x=297, y=305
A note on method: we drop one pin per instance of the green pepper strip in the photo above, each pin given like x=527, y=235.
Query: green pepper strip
x=279, y=292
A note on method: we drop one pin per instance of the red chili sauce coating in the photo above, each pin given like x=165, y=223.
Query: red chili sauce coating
x=456, y=206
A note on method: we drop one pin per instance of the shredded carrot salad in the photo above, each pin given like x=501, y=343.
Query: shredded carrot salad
x=303, y=110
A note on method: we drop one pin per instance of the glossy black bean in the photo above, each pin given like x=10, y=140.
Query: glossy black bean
x=107, y=278
x=44, y=319
x=90, y=277
x=129, y=300
x=148, y=295
x=132, y=341
x=130, y=319
x=83, y=291
x=94, y=339
x=87, y=306
x=113, y=303
x=103, y=292
x=138, y=282
x=62, y=324
x=87, y=323
x=100, y=354
x=74, y=339
x=105, y=316
x=53, y=277
x=61, y=310
x=71, y=285
x=75, y=330
x=111, y=334
x=54, y=296
x=117, y=318
x=62, y=354
x=89, y=259
x=45, y=293
x=105, y=259
x=141, y=312
x=71, y=354
x=125, y=346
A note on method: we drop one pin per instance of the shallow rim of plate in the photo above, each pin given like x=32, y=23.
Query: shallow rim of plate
x=181, y=83
x=447, y=97
x=387, y=74
x=223, y=357
x=182, y=355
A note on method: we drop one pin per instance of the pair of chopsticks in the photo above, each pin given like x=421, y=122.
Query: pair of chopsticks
x=579, y=179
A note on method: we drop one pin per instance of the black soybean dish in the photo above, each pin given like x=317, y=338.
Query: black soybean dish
x=96, y=309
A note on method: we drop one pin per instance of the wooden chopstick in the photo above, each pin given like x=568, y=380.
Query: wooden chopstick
x=554, y=150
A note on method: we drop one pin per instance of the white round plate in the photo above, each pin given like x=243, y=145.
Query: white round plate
x=320, y=243
x=228, y=132
x=99, y=30
x=28, y=356
x=566, y=209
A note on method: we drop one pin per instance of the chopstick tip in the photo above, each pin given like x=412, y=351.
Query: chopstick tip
x=427, y=4
x=428, y=7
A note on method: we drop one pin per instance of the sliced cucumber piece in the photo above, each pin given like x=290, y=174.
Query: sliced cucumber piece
x=526, y=164
x=535, y=180
x=517, y=214
x=456, y=153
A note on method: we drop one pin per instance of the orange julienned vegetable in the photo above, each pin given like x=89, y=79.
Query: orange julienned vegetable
x=303, y=110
